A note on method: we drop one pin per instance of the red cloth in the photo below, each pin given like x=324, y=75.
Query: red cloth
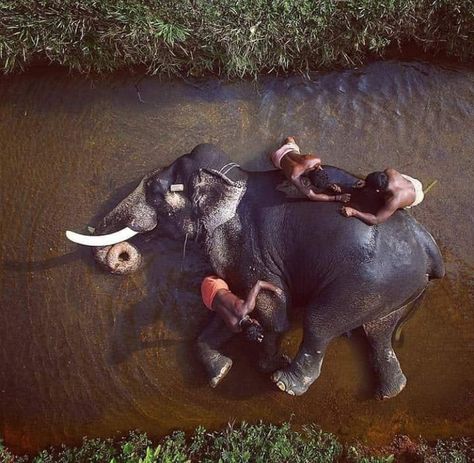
x=209, y=288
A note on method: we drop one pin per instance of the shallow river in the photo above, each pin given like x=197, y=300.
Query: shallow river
x=87, y=353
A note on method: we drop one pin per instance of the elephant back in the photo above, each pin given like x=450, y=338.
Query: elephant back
x=364, y=199
x=321, y=179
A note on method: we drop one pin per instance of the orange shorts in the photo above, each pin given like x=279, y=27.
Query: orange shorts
x=209, y=288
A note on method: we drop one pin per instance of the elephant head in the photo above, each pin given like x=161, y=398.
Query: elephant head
x=191, y=197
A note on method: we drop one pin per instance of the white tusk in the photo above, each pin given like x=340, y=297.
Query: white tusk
x=101, y=240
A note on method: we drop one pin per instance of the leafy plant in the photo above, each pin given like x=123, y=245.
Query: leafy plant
x=235, y=39
x=251, y=443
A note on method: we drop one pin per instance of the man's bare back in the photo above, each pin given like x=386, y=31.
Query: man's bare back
x=399, y=191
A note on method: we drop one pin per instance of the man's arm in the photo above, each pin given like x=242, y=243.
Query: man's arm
x=250, y=302
x=308, y=191
x=372, y=219
x=343, y=198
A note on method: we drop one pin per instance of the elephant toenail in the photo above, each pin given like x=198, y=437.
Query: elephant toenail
x=291, y=392
x=281, y=385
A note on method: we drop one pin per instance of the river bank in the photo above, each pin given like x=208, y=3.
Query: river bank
x=246, y=443
x=227, y=38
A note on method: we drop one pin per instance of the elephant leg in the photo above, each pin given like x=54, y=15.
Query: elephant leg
x=272, y=314
x=391, y=379
x=305, y=368
x=271, y=358
x=210, y=340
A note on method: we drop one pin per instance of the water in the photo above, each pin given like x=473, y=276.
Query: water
x=87, y=353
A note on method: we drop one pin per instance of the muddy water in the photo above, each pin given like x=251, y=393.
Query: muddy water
x=86, y=353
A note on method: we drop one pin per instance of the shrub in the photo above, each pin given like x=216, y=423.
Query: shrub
x=226, y=37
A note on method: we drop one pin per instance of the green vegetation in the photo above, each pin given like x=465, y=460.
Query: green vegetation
x=260, y=443
x=228, y=37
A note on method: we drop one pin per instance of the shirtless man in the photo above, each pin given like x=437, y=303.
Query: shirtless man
x=399, y=191
x=296, y=166
x=233, y=310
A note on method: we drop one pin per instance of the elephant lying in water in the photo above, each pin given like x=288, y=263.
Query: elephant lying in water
x=344, y=273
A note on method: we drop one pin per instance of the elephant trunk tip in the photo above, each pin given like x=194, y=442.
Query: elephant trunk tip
x=121, y=258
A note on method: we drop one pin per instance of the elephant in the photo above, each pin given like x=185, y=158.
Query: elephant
x=342, y=273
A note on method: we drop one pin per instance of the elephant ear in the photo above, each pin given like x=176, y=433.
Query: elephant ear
x=215, y=197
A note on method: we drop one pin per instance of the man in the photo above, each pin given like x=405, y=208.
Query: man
x=399, y=192
x=296, y=166
x=217, y=297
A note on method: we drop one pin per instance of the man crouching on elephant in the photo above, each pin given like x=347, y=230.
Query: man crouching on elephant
x=217, y=297
x=297, y=166
x=399, y=191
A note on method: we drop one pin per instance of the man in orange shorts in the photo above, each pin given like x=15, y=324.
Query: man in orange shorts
x=233, y=310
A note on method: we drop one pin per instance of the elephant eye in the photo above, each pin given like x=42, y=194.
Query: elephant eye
x=154, y=186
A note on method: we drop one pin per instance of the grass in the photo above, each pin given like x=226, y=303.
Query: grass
x=246, y=443
x=227, y=37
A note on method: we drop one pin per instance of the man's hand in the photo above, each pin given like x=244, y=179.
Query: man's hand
x=279, y=292
x=335, y=188
x=344, y=198
x=252, y=329
x=270, y=287
x=347, y=211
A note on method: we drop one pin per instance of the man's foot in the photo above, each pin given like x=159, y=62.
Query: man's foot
x=289, y=140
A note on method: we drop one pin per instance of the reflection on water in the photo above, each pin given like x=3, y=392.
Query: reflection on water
x=87, y=353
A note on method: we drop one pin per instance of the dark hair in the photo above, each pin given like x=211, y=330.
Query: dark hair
x=319, y=179
x=377, y=181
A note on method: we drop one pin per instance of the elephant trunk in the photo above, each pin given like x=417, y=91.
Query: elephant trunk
x=111, y=248
x=120, y=258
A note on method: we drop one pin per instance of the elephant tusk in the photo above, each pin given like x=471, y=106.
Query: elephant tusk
x=101, y=240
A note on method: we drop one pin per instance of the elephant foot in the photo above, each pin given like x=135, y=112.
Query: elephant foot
x=270, y=364
x=289, y=382
x=218, y=368
x=391, y=379
x=391, y=388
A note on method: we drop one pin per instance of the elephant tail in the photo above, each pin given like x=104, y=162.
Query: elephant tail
x=413, y=307
x=435, y=263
